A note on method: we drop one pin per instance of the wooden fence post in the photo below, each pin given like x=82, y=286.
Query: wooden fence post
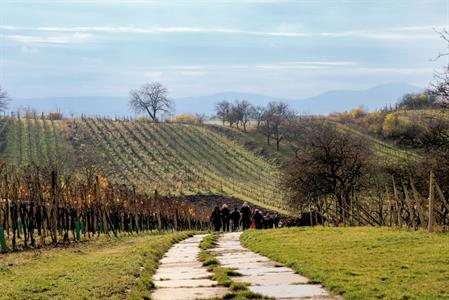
x=3, y=247
x=391, y=206
x=54, y=211
x=176, y=220
x=431, y=202
x=410, y=206
x=398, y=208
x=158, y=211
x=418, y=203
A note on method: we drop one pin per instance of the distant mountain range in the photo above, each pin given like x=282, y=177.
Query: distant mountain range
x=331, y=101
x=342, y=100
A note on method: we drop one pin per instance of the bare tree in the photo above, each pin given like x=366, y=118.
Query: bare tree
x=257, y=114
x=4, y=99
x=222, y=109
x=151, y=98
x=234, y=116
x=328, y=163
x=434, y=134
x=440, y=86
x=243, y=112
x=281, y=117
x=265, y=126
x=275, y=122
x=201, y=118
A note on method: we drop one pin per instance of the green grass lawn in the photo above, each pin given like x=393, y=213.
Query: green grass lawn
x=103, y=268
x=364, y=262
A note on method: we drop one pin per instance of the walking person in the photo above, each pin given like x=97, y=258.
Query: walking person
x=215, y=218
x=225, y=217
x=268, y=223
x=245, y=212
x=235, y=217
x=276, y=221
x=258, y=219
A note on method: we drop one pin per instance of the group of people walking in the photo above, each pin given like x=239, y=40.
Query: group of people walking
x=244, y=218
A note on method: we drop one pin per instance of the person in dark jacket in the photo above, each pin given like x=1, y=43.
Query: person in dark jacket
x=258, y=219
x=235, y=217
x=215, y=219
x=225, y=217
x=268, y=223
x=276, y=221
x=245, y=212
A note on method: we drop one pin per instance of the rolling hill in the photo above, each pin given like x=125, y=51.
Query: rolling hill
x=175, y=159
x=256, y=142
x=172, y=158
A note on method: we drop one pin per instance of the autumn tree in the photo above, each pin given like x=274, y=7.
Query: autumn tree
x=417, y=101
x=151, y=98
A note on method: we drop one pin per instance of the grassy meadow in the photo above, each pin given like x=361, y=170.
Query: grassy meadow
x=362, y=262
x=107, y=268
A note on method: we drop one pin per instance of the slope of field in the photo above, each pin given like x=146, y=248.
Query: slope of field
x=256, y=142
x=384, y=150
x=172, y=158
x=31, y=140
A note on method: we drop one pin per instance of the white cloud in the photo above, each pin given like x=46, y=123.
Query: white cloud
x=52, y=39
x=153, y=74
x=420, y=28
x=8, y=27
x=386, y=70
x=192, y=73
x=338, y=67
x=305, y=65
x=279, y=65
x=410, y=32
x=91, y=60
x=28, y=50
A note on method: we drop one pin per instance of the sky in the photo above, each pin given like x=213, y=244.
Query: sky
x=286, y=49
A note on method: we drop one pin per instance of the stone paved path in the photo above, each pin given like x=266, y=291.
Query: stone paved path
x=265, y=276
x=181, y=276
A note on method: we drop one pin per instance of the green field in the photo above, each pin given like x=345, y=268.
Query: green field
x=362, y=262
x=383, y=150
x=256, y=142
x=101, y=269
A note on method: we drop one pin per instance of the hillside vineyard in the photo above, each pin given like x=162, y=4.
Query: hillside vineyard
x=172, y=158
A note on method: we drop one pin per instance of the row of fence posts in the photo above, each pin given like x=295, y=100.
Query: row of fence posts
x=25, y=213
x=415, y=206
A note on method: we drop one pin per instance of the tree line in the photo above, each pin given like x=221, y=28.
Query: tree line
x=273, y=121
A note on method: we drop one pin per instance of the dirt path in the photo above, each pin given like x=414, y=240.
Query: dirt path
x=265, y=276
x=181, y=275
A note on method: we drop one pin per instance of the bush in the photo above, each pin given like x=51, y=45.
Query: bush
x=186, y=118
x=54, y=115
x=401, y=127
x=374, y=121
x=417, y=101
x=358, y=112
